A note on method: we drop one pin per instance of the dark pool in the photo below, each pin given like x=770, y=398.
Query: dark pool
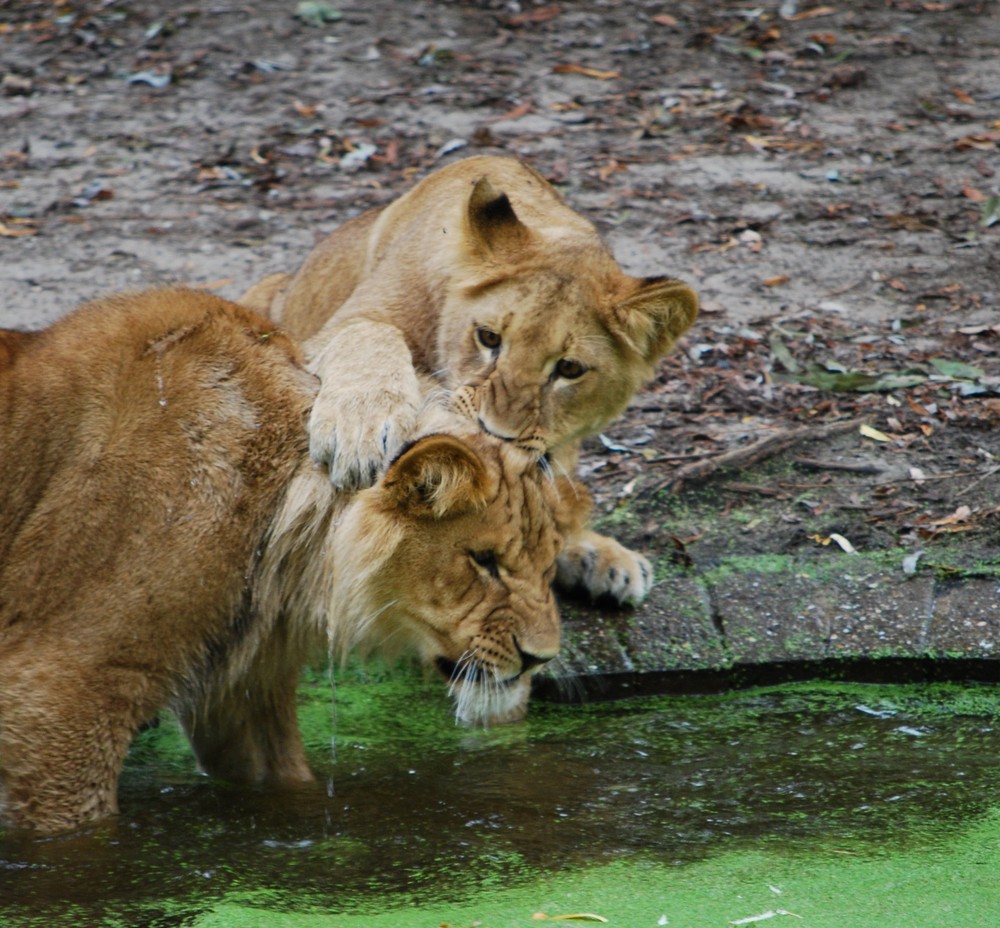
x=410, y=810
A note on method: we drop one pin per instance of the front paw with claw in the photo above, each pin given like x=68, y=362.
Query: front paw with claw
x=602, y=567
x=356, y=437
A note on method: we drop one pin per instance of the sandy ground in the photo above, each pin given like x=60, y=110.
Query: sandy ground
x=824, y=174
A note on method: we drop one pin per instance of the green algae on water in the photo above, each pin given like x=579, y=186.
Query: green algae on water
x=680, y=807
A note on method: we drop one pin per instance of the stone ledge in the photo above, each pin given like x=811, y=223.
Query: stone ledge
x=745, y=613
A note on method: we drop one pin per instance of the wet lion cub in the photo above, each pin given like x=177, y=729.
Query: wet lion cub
x=165, y=540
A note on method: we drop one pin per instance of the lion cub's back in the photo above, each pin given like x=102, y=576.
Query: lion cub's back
x=145, y=440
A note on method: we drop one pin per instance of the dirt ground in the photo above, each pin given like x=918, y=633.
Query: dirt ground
x=824, y=174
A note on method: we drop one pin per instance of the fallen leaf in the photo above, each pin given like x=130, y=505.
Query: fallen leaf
x=575, y=917
x=873, y=433
x=586, y=72
x=541, y=15
x=957, y=370
x=782, y=354
x=771, y=913
x=961, y=514
x=990, y=214
x=777, y=280
x=357, y=156
x=961, y=95
x=9, y=232
x=154, y=79
x=665, y=19
x=845, y=545
x=316, y=14
x=305, y=110
x=815, y=12
x=983, y=141
x=522, y=109
x=971, y=193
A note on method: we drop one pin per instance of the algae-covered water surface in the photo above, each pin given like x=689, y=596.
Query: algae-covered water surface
x=828, y=805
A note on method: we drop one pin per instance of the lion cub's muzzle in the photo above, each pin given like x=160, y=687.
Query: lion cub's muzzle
x=486, y=693
x=471, y=670
x=527, y=436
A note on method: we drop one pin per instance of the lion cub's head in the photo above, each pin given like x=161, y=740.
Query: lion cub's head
x=452, y=555
x=546, y=339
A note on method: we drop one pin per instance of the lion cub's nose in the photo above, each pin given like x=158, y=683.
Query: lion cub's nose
x=530, y=661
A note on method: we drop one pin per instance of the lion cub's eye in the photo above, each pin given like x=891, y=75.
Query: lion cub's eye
x=488, y=338
x=487, y=560
x=570, y=370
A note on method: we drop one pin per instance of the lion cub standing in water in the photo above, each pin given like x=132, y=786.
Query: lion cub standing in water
x=165, y=540
x=482, y=276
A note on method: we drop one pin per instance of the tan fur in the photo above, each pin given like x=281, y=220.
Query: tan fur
x=483, y=244
x=165, y=540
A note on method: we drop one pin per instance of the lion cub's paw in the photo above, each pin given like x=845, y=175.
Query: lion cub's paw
x=603, y=567
x=356, y=437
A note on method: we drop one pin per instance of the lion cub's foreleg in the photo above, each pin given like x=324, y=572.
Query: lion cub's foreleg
x=589, y=561
x=368, y=400
x=604, y=567
x=249, y=733
x=66, y=731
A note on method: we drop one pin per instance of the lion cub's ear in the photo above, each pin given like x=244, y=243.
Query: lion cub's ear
x=656, y=314
x=493, y=229
x=436, y=477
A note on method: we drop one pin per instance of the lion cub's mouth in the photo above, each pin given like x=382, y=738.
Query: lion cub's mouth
x=490, y=431
x=531, y=444
x=470, y=672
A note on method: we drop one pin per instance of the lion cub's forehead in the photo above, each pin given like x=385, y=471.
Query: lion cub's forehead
x=523, y=498
x=549, y=311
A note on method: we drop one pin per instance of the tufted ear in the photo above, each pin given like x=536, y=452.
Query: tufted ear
x=437, y=477
x=656, y=314
x=494, y=231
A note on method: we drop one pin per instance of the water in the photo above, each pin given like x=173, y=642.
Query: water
x=410, y=811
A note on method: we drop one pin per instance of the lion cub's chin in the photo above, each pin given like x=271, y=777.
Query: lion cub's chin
x=485, y=703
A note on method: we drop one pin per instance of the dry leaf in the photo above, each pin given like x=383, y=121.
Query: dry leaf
x=541, y=15
x=845, y=545
x=959, y=515
x=575, y=917
x=815, y=12
x=873, y=433
x=305, y=110
x=522, y=109
x=984, y=141
x=586, y=72
x=777, y=280
x=9, y=232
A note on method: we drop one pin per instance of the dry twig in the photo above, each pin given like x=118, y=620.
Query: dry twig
x=750, y=454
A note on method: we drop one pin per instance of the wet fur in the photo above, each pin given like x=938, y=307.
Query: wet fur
x=165, y=540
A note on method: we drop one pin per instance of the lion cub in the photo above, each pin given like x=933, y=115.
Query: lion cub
x=165, y=540
x=484, y=277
